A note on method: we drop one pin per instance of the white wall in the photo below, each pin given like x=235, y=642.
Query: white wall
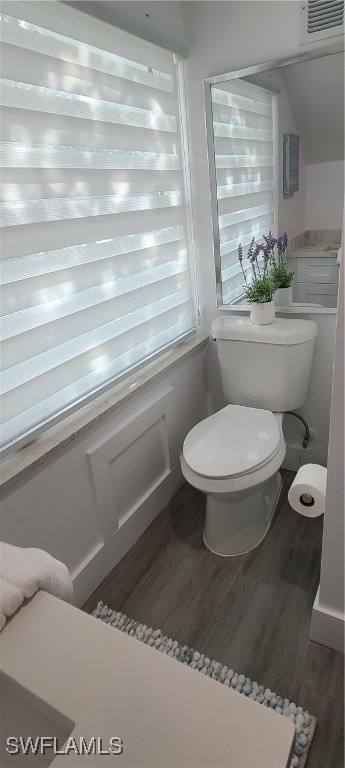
x=88, y=505
x=316, y=410
x=328, y=619
x=291, y=208
x=324, y=195
x=316, y=90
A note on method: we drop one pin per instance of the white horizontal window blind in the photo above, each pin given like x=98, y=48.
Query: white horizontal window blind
x=244, y=161
x=95, y=274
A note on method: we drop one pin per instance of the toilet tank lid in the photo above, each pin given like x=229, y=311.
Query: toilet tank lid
x=281, y=331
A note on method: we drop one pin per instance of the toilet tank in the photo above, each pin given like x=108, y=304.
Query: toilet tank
x=265, y=366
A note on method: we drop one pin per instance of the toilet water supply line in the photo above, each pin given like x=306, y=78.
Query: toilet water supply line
x=307, y=436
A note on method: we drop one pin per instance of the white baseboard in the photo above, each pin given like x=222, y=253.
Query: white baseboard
x=327, y=627
x=106, y=556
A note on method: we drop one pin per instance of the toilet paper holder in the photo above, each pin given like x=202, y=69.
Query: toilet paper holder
x=307, y=500
x=307, y=492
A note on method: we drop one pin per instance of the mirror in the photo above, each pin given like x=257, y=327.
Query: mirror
x=276, y=159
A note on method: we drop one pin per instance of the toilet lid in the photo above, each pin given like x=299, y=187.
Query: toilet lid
x=232, y=442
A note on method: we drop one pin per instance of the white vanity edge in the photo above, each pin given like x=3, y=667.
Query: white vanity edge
x=310, y=254
x=19, y=465
x=106, y=682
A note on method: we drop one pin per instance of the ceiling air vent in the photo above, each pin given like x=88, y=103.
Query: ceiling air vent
x=321, y=19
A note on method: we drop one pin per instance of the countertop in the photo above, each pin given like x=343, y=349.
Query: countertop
x=315, y=243
x=110, y=684
x=314, y=251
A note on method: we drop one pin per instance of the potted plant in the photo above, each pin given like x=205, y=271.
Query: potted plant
x=282, y=279
x=259, y=288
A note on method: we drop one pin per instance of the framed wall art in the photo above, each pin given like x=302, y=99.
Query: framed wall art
x=290, y=163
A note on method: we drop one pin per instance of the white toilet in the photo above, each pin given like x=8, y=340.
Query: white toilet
x=234, y=456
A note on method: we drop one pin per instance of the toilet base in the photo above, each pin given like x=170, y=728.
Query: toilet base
x=237, y=522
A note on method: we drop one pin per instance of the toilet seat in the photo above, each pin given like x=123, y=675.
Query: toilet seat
x=236, y=441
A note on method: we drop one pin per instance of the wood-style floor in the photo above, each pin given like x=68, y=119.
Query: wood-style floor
x=250, y=612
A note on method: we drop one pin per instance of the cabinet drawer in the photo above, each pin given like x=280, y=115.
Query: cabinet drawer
x=318, y=270
x=317, y=293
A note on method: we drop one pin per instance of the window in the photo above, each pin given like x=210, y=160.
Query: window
x=244, y=161
x=95, y=273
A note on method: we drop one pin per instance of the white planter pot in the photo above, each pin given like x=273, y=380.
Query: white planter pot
x=262, y=314
x=283, y=297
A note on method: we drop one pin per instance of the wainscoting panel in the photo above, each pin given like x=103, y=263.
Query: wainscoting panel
x=88, y=505
x=127, y=467
x=54, y=510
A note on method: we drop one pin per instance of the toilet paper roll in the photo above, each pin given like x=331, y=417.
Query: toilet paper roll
x=308, y=490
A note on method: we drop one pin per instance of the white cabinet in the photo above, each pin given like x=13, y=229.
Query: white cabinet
x=317, y=293
x=316, y=279
x=323, y=270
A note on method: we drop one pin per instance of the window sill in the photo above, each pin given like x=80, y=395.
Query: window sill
x=19, y=465
x=295, y=309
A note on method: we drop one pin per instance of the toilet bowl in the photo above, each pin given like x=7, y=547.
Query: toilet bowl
x=234, y=456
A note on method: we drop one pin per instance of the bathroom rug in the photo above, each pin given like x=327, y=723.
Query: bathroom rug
x=304, y=722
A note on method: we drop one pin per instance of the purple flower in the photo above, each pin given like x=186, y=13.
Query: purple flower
x=240, y=253
x=266, y=252
x=270, y=241
x=280, y=245
x=285, y=240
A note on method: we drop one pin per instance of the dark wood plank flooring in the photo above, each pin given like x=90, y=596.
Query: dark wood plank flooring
x=250, y=612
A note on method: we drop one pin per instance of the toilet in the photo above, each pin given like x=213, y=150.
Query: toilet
x=234, y=455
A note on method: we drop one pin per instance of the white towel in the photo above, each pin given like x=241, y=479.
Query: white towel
x=10, y=599
x=24, y=571
x=18, y=574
